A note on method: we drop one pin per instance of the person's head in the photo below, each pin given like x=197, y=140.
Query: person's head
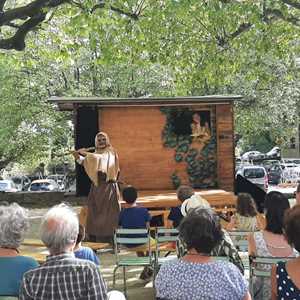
x=101, y=140
x=298, y=194
x=291, y=226
x=196, y=201
x=196, y=117
x=201, y=230
x=245, y=205
x=59, y=229
x=81, y=234
x=184, y=192
x=275, y=206
x=14, y=223
x=129, y=194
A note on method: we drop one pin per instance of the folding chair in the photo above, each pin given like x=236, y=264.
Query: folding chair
x=260, y=267
x=240, y=239
x=131, y=237
x=164, y=238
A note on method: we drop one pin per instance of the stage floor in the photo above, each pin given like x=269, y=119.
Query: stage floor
x=219, y=199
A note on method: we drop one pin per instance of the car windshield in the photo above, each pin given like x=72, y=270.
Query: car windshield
x=3, y=186
x=254, y=173
x=40, y=186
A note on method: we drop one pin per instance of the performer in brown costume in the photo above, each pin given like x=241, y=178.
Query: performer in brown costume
x=102, y=167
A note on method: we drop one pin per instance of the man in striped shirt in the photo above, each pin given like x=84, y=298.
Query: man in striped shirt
x=62, y=276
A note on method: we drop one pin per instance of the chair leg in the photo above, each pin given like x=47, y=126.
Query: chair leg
x=124, y=280
x=114, y=276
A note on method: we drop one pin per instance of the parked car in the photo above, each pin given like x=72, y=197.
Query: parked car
x=253, y=155
x=7, y=186
x=291, y=161
x=256, y=174
x=275, y=152
x=22, y=183
x=45, y=185
x=59, y=179
x=275, y=174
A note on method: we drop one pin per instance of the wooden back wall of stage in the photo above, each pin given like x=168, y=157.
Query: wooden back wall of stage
x=136, y=133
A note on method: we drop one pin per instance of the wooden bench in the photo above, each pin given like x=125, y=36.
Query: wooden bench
x=92, y=245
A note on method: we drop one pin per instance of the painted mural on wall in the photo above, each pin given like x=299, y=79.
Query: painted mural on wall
x=191, y=134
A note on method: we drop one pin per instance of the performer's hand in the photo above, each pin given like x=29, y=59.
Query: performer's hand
x=75, y=154
x=82, y=151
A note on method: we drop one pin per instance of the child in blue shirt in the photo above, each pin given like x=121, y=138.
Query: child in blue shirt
x=135, y=217
x=84, y=252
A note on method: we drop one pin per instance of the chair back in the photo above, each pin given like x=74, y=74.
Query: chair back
x=259, y=265
x=240, y=239
x=131, y=237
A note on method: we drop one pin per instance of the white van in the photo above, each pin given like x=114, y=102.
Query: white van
x=256, y=174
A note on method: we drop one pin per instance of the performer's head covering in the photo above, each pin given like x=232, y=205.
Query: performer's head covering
x=97, y=146
x=104, y=160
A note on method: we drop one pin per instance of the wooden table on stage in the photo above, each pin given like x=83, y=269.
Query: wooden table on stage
x=35, y=248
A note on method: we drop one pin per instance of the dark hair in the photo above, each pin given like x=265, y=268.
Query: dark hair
x=275, y=206
x=291, y=225
x=184, y=192
x=201, y=230
x=129, y=194
x=245, y=205
x=81, y=234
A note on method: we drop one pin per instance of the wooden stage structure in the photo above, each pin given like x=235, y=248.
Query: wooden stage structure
x=160, y=202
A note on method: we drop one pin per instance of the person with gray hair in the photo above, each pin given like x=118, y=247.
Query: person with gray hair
x=13, y=225
x=62, y=276
x=183, y=192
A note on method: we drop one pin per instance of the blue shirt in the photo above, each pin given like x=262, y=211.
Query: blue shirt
x=11, y=273
x=88, y=254
x=175, y=216
x=134, y=218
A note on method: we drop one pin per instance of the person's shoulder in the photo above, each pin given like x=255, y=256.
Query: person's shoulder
x=26, y=261
x=229, y=268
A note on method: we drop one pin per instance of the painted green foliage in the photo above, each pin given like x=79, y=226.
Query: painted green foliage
x=200, y=163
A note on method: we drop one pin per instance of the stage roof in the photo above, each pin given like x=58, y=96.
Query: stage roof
x=70, y=103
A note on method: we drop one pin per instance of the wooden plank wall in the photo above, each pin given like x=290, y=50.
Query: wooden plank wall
x=135, y=132
x=225, y=146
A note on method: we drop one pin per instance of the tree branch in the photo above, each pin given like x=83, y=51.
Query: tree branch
x=133, y=16
x=33, y=13
x=294, y=4
x=17, y=41
x=2, y=2
x=276, y=13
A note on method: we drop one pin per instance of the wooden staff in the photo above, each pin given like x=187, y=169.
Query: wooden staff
x=72, y=151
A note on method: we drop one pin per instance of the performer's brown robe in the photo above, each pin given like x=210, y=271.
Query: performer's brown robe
x=102, y=167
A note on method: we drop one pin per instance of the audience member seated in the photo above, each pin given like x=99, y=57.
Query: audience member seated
x=134, y=217
x=246, y=217
x=225, y=247
x=271, y=241
x=183, y=192
x=286, y=276
x=13, y=225
x=62, y=276
x=197, y=275
x=298, y=194
x=84, y=252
